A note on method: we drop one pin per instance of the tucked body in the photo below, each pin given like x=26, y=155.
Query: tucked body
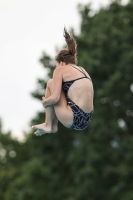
x=69, y=94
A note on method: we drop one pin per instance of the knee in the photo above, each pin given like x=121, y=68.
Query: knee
x=50, y=82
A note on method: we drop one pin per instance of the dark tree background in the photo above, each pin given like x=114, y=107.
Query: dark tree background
x=97, y=163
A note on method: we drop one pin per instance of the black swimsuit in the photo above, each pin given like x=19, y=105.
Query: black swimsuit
x=81, y=119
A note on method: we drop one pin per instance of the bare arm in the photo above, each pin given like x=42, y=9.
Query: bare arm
x=56, y=89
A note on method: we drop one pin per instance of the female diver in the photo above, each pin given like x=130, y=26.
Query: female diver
x=69, y=94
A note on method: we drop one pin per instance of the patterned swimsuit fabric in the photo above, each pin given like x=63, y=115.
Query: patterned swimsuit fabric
x=81, y=119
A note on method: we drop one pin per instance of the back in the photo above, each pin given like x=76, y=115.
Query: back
x=80, y=89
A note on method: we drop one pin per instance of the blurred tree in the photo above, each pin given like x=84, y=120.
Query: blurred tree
x=105, y=50
x=12, y=156
x=95, y=163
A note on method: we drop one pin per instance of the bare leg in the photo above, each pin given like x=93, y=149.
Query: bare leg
x=51, y=120
x=55, y=124
x=50, y=108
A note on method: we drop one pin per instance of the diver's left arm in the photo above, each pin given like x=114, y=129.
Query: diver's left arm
x=55, y=90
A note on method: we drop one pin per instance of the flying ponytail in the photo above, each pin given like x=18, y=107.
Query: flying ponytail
x=69, y=54
x=71, y=44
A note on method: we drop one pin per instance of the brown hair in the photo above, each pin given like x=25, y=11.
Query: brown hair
x=68, y=55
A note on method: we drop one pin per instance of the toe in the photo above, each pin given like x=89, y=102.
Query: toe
x=36, y=133
x=35, y=127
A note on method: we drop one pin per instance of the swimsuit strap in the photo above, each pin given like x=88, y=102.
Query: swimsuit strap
x=82, y=72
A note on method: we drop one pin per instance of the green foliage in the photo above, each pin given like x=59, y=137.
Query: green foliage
x=12, y=156
x=95, y=163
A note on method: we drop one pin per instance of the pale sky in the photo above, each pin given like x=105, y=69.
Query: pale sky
x=27, y=28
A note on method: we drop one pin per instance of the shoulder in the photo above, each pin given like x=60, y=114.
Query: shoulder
x=58, y=73
x=58, y=70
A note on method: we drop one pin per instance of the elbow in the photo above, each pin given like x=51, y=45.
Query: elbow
x=56, y=99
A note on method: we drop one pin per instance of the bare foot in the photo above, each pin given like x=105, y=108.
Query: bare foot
x=39, y=132
x=43, y=128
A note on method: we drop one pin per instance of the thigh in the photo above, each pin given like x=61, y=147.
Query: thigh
x=63, y=111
